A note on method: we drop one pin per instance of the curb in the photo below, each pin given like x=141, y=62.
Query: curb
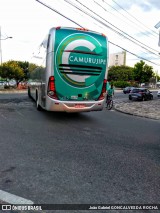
x=150, y=115
x=137, y=115
x=12, y=91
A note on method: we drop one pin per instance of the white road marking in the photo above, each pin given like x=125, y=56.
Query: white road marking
x=19, y=113
x=3, y=116
x=13, y=199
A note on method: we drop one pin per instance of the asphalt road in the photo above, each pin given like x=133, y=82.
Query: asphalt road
x=86, y=158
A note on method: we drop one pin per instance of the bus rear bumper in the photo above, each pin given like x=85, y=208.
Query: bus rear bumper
x=74, y=106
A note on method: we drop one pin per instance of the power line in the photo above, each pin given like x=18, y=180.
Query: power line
x=135, y=24
x=82, y=27
x=134, y=54
x=82, y=14
x=133, y=17
x=126, y=34
x=57, y=12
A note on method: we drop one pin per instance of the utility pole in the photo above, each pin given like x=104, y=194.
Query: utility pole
x=156, y=78
x=1, y=44
x=157, y=26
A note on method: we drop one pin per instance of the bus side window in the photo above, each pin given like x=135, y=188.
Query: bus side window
x=48, y=42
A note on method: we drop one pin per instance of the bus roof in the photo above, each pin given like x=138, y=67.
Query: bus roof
x=78, y=29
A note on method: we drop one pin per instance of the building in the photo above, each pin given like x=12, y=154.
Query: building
x=117, y=59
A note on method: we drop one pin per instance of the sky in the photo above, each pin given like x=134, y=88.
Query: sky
x=127, y=23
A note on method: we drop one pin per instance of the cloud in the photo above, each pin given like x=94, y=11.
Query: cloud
x=155, y=3
x=145, y=5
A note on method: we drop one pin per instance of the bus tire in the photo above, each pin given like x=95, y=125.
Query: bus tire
x=37, y=102
x=29, y=93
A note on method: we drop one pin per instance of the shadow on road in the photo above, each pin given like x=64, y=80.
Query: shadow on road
x=67, y=116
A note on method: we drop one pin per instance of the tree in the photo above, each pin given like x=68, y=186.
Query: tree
x=24, y=65
x=120, y=73
x=11, y=70
x=32, y=67
x=143, y=72
x=18, y=70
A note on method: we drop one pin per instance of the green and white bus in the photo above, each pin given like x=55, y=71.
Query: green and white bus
x=72, y=71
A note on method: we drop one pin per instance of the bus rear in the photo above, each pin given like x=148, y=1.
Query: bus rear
x=78, y=77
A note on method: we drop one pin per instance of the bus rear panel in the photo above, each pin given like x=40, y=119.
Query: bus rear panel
x=75, y=71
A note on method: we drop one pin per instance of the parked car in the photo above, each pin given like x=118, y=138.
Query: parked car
x=2, y=84
x=140, y=94
x=158, y=93
x=127, y=89
x=12, y=83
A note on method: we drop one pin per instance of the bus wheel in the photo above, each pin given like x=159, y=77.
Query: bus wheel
x=37, y=103
x=29, y=93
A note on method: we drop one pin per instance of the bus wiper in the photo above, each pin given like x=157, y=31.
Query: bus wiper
x=82, y=52
x=80, y=66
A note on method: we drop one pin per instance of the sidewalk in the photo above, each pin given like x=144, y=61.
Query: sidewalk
x=8, y=91
x=147, y=109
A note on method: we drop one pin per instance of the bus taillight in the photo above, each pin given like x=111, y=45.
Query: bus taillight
x=102, y=96
x=57, y=28
x=52, y=88
x=82, y=29
x=103, y=35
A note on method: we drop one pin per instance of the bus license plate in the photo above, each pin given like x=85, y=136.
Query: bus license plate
x=80, y=105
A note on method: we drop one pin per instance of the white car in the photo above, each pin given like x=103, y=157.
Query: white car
x=2, y=85
x=12, y=83
x=158, y=93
